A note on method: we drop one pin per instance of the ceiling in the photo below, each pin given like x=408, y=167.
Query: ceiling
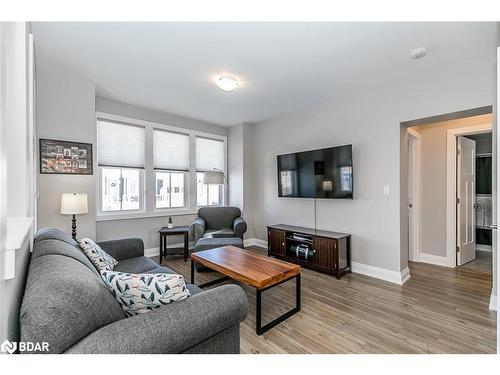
x=283, y=66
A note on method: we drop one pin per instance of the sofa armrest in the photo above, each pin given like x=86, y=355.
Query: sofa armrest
x=198, y=228
x=239, y=227
x=123, y=249
x=172, y=328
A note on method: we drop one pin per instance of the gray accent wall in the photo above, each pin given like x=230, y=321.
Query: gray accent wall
x=67, y=110
x=241, y=172
x=370, y=121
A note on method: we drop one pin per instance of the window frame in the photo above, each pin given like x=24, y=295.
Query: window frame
x=149, y=172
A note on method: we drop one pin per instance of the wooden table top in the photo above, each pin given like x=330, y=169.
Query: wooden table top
x=250, y=269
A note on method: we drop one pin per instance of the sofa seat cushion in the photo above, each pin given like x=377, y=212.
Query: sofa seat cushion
x=63, y=302
x=160, y=270
x=139, y=293
x=212, y=243
x=219, y=233
x=136, y=265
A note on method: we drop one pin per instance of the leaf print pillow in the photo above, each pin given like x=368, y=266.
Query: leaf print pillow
x=140, y=293
x=99, y=258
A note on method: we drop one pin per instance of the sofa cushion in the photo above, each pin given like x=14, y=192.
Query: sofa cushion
x=136, y=265
x=140, y=293
x=160, y=270
x=212, y=243
x=64, y=301
x=99, y=258
x=220, y=233
x=55, y=234
x=219, y=217
x=49, y=246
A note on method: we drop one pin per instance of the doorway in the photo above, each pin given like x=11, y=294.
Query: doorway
x=429, y=210
x=474, y=232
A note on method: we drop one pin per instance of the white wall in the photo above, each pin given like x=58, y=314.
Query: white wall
x=434, y=182
x=15, y=171
x=370, y=120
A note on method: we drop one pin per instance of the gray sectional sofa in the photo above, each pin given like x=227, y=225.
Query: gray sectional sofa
x=67, y=305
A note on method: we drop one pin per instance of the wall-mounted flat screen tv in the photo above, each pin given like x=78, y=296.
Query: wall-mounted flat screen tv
x=323, y=173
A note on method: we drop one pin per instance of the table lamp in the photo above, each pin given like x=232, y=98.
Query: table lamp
x=74, y=204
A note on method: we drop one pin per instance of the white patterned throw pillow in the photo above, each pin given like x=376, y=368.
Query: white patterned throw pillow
x=99, y=258
x=140, y=293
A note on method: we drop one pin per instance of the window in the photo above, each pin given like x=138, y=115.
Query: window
x=170, y=189
x=121, y=154
x=120, y=189
x=209, y=157
x=148, y=169
x=171, y=164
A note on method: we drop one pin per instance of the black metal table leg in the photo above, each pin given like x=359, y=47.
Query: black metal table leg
x=258, y=313
x=192, y=271
x=161, y=248
x=186, y=246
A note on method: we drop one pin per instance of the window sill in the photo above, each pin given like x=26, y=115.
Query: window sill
x=145, y=215
x=18, y=228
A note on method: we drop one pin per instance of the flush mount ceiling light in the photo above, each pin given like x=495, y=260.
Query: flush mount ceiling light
x=418, y=53
x=227, y=83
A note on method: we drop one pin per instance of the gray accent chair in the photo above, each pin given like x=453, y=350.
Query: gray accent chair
x=67, y=304
x=218, y=222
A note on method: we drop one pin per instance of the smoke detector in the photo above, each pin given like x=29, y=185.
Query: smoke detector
x=418, y=53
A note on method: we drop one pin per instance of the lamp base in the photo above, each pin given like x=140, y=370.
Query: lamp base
x=73, y=227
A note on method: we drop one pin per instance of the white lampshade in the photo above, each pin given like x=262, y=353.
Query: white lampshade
x=327, y=185
x=74, y=204
x=213, y=178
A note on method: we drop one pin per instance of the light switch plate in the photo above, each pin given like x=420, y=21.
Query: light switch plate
x=387, y=190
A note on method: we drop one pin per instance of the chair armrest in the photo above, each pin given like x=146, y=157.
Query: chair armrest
x=123, y=249
x=239, y=227
x=172, y=328
x=198, y=228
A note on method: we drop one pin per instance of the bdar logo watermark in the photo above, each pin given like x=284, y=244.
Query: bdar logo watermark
x=10, y=347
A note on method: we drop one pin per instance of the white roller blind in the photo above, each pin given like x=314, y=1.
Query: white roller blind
x=120, y=145
x=171, y=150
x=209, y=154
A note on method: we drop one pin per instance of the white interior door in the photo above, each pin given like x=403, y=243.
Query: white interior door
x=466, y=203
x=413, y=201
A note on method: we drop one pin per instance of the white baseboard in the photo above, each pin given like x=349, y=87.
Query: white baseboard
x=255, y=242
x=155, y=251
x=493, y=302
x=381, y=273
x=434, y=259
x=152, y=252
x=486, y=248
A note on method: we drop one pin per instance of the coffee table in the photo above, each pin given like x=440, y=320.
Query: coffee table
x=253, y=270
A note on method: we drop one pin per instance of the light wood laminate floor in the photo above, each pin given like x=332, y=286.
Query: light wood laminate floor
x=439, y=310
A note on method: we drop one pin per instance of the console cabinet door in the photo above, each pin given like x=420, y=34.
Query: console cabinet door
x=276, y=241
x=324, y=257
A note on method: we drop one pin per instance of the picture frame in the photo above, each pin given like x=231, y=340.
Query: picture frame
x=65, y=157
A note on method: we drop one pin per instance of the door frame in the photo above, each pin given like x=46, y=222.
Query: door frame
x=451, y=186
x=416, y=164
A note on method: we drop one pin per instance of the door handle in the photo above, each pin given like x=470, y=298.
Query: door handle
x=474, y=205
x=410, y=205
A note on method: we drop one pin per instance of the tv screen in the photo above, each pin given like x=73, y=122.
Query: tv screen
x=324, y=173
